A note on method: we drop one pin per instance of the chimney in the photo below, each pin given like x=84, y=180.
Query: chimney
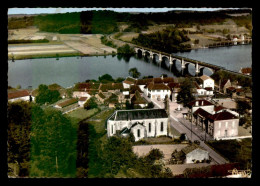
x=196, y=103
x=85, y=89
x=202, y=103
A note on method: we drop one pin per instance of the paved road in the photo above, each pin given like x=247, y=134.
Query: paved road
x=184, y=126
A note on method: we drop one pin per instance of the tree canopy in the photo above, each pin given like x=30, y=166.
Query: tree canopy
x=45, y=95
x=185, y=95
x=134, y=72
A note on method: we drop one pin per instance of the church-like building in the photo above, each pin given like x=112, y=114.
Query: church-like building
x=143, y=123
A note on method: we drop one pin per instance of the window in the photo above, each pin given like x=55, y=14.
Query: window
x=226, y=124
x=161, y=126
x=138, y=132
x=219, y=124
x=149, y=127
x=233, y=124
x=112, y=129
x=219, y=133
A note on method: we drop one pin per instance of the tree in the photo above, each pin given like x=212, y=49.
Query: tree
x=53, y=144
x=46, y=95
x=18, y=131
x=134, y=72
x=242, y=107
x=90, y=104
x=185, y=95
x=106, y=78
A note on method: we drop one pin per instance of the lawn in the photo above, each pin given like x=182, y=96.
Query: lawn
x=235, y=150
x=82, y=113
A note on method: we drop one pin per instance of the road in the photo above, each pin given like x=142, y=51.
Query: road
x=184, y=126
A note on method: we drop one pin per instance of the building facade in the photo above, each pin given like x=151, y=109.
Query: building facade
x=142, y=123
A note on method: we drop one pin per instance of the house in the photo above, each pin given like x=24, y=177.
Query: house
x=143, y=123
x=82, y=101
x=20, y=95
x=157, y=90
x=137, y=99
x=219, y=125
x=160, y=80
x=128, y=82
x=246, y=71
x=101, y=97
x=196, y=104
x=190, y=154
x=208, y=83
x=224, y=85
x=111, y=87
x=79, y=94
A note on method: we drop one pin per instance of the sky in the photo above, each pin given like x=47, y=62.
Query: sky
x=64, y=10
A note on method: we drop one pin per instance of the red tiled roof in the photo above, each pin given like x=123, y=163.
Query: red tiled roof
x=18, y=94
x=246, y=70
x=218, y=108
x=203, y=113
x=157, y=86
x=83, y=98
x=223, y=116
x=134, y=88
x=208, y=88
x=205, y=103
x=68, y=102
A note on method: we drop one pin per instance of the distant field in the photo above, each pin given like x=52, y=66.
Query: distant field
x=63, y=44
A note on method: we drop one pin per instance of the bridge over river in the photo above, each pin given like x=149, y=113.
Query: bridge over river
x=199, y=65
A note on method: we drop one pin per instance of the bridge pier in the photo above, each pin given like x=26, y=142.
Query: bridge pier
x=182, y=64
x=197, y=69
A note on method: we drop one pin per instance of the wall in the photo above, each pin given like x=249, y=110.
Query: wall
x=208, y=83
x=232, y=129
x=25, y=98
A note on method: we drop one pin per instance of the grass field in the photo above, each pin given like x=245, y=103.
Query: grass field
x=82, y=113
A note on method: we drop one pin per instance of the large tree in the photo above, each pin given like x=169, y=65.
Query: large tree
x=18, y=143
x=134, y=72
x=53, y=144
x=45, y=95
x=185, y=95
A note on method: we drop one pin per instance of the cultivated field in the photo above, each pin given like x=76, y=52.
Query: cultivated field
x=60, y=44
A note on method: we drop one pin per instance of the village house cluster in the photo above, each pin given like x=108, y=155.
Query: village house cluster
x=216, y=118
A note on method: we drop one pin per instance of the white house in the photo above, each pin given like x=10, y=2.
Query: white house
x=79, y=94
x=21, y=95
x=128, y=82
x=157, y=90
x=82, y=101
x=208, y=82
x=194, y=154
x=195, y=105
x=143, y=123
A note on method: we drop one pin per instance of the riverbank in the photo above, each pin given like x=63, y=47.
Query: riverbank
x=39, y=56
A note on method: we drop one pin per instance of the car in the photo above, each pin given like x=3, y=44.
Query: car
x=197, y=142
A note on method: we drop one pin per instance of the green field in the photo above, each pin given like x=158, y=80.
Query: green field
x=82, y=113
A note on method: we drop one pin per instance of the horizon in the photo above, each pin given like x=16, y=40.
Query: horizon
x=30, y=11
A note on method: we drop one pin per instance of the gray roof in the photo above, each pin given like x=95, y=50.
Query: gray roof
x=190, y=148
x=140, y=114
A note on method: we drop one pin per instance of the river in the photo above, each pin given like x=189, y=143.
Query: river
x=69, y=70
